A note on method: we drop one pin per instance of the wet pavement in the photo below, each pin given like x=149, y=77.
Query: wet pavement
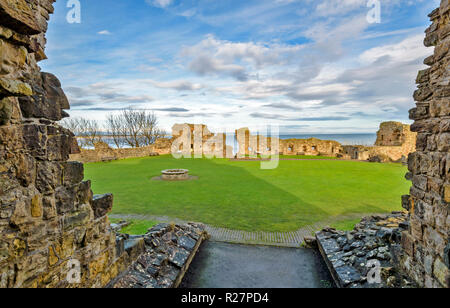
x=222, y=265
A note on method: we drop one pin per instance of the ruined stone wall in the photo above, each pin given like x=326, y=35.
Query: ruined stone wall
x=426, y=243
x=394, y=143
x=252, y=145
x=103, y=152
x=395, y=134
x=312, y=146
x=48, y=214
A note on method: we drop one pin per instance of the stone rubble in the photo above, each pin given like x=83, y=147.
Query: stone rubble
x=375, y=238
x=169, y=249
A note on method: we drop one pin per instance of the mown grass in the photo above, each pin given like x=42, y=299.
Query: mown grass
x=240, y=195
x=345, y=225
x=136, y=227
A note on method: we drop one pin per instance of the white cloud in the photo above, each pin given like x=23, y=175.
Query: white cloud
x=179, y=85
x=104, y=32
x=410, y=49
x=338, y=7
x=159, y=3
x=239, y=60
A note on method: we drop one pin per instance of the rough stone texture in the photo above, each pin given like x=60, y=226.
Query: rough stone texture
x=394, y=143
x=104, y=152
x=253, y=145
x=48, y=215
x=425, y=244
x=376, y=238
x=169, y=250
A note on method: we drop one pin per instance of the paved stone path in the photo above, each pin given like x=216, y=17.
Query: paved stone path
x=281, y=239
x=224, y=265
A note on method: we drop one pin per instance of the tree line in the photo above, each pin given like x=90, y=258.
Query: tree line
x=130, y=127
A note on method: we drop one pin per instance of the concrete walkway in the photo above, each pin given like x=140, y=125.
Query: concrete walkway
x=222, y=265
x=280, y=239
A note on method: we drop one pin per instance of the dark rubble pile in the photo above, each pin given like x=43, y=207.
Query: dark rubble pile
x=169, y=249
x=375, y=239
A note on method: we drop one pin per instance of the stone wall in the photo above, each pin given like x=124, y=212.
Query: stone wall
x=49, y=217
x=396, y=134
x=103, y=152
x=426, y=243
x=394, y=143
x=252, y=145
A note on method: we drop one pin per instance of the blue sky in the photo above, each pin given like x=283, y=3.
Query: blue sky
x=310, y=66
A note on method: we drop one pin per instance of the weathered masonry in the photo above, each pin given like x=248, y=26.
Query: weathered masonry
x=49, y=217
x=53, y=231
x=50, y=222
x=426, y=244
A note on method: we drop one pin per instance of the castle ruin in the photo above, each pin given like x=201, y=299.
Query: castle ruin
x=49, y=216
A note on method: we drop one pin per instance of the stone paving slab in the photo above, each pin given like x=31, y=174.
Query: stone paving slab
x=225, y=265
x=293, y=239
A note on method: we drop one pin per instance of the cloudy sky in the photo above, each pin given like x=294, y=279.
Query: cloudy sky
x=310, y=66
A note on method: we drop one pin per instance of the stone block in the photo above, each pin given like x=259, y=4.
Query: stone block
x=6, y=111
x=17, y=15
x=14, y=87
x=35, y=139
x=48, y=100
x=65, y=200
x=407, y=243
x=49, y=176
x=422, y=94
x=447, y=193
x=36, y=206
x=102, y=205
x=49, y=207
x=434, y=240
x=77, y=219
x=73, y=173
x=12, y=58
x=441, y=272
x=444, y=142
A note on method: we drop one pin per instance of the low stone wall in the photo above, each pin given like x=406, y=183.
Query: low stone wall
x=312, y=146
x=103, y=152
x=375, y=241
x=377, y=153
x=169, y=250
x=250, y=145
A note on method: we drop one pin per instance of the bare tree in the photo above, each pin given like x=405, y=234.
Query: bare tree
x=88, y=132
x=136, y=128
x=114, y=126
x=71, y=124
x=150, y=131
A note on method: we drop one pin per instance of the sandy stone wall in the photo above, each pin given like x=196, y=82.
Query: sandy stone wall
x=426, y=243
x=394, y=143
x=395, y=134
x=103, y=152
x=49, y=218
x=252, y=145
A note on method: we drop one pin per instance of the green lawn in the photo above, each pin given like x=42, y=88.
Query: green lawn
x=239, y=195
x=136, y=227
